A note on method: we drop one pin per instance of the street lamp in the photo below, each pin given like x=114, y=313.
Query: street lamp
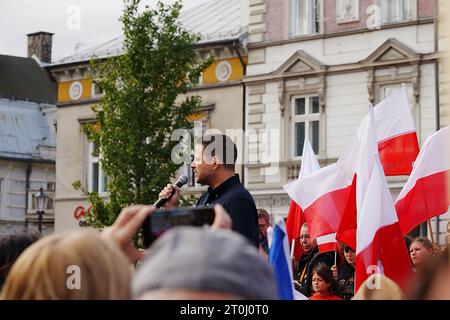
x=41, y=201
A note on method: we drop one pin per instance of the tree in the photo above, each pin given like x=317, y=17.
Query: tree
x=142, y=107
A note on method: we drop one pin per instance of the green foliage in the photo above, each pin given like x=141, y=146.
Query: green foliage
x=142, y=107
x=188, y=200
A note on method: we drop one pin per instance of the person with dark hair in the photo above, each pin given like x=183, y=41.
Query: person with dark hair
x=310, y=259
x=421, y=251
x=10, y=249
x=214, y=165
x=345, y=273
x=264, y=231
x=324, y=285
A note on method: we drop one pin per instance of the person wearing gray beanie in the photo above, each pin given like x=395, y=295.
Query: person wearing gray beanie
x=192, y=263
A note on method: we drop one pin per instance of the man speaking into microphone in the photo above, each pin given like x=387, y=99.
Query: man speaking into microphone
x=214, y=165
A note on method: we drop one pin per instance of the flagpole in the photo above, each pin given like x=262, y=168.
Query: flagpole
x=431, y=231
x=292, y=249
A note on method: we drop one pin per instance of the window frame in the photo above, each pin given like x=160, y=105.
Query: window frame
x=306, y=118
x=101, y=176
x=294, y=19
x=411, y=14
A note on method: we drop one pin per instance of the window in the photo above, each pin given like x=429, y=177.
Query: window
x=305, y=123
x=97, y=180
x=388, y=89
x=397, y=10
x=96, y=91
x=304, y=17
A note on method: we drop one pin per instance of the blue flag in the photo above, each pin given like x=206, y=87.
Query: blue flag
x=279, y=259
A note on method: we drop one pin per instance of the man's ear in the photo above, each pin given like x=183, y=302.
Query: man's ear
x=216, y=162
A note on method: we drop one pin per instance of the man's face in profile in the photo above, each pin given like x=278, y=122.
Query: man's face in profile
x=202, y=166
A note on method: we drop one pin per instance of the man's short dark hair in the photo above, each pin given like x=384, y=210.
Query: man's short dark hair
x=223, y=147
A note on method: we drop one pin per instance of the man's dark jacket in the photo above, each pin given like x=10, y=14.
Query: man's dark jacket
x=239, y=204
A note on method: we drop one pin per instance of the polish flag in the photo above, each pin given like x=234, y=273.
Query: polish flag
x=397, y=145
x=427, y=192
x=380, y=244
x=327, y=242
x=296, y=218
x=323, y=195
x=331, y=191
x=364, y=168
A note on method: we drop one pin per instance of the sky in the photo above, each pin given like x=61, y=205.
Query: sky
x=82, y=23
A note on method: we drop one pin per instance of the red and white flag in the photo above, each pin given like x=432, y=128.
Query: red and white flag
x=398, y=146
x=396, y=141
x=380, y=244
x=328, y=193
x=296, y=218
x=427, y=192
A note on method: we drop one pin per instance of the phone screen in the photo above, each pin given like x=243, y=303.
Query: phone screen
x=162, y=220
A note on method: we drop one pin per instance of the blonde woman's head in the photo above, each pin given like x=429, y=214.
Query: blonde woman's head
x=379, y=287
x=77, y=265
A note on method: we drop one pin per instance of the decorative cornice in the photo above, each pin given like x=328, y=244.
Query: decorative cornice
x=227, y=84
x=344, y=68
x=337, y=34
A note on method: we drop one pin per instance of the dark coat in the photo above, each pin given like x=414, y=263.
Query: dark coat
x=239, y=204
x=346, y=281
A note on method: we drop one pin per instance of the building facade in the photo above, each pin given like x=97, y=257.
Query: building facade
x=314, y=67
x=27, y=137
x=223, y=29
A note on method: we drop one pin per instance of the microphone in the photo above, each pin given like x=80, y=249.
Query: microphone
x=182, y=180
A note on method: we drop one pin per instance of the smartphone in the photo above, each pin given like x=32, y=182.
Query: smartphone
x=162, y=220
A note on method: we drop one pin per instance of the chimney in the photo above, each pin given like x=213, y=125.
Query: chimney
x=40, y=45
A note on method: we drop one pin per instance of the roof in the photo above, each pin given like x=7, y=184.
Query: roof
x=26, y=130
x=215, y=21
x=24, y=79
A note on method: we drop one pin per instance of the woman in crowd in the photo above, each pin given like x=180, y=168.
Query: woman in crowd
x=345, y=273
x=421, y=252
x=434, y=282
x=323, y=284
x=79, y=264
x=85, y=264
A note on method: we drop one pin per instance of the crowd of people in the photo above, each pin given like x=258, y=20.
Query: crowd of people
x=227, y=260
x=33, y=267
x=312, y=272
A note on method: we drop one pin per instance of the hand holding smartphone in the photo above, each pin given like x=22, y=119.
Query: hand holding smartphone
x=162, y=220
